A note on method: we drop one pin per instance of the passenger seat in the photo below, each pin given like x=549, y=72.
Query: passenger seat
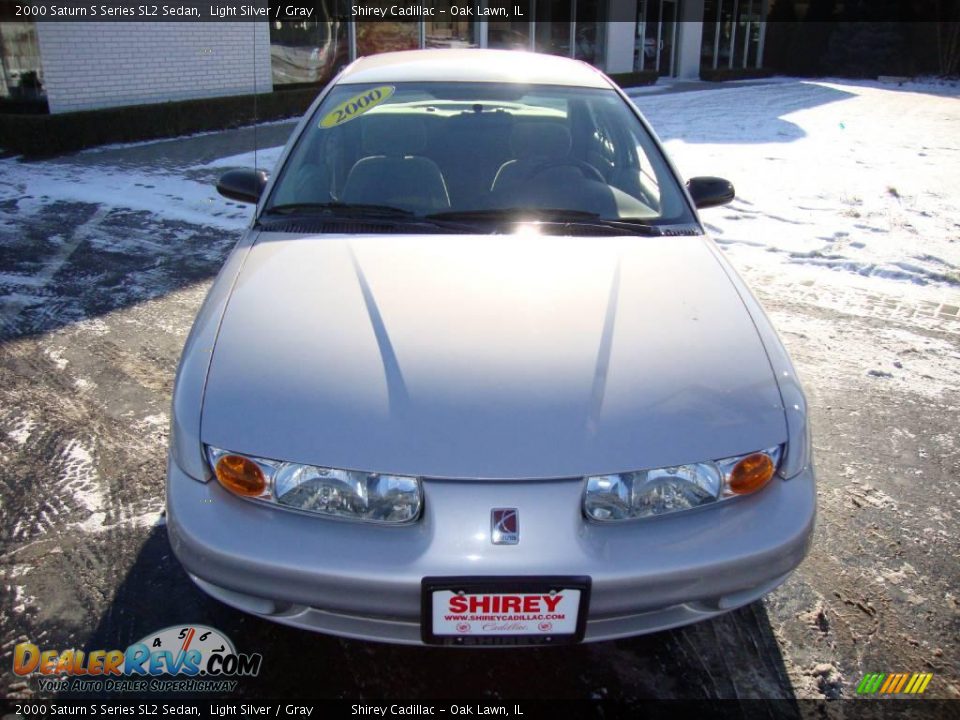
x=393, y=171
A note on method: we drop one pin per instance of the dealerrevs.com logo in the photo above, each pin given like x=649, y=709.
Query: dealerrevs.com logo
x=182, y=658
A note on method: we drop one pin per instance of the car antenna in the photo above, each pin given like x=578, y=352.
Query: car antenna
x=254, y=26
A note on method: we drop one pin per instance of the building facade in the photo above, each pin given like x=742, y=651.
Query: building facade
x=90, y=65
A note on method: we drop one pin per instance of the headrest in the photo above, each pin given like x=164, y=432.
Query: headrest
x=540, y=140
x=393, y=135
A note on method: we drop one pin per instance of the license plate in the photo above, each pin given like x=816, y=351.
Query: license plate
x=504, y=611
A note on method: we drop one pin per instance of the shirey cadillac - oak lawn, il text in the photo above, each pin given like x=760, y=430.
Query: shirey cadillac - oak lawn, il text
x=475, y=374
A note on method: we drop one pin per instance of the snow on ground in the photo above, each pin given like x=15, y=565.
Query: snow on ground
x=855, y=178
x=172, y=196
x=265, y=159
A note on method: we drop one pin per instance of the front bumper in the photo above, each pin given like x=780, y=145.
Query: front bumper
x=363, y=581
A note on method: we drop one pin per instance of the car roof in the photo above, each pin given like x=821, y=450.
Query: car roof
x=472, y=65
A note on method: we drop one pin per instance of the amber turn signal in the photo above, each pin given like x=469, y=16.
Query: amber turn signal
x=751, y=474
x=241, y=476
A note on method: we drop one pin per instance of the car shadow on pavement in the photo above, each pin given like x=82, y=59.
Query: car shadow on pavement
x=733, y=656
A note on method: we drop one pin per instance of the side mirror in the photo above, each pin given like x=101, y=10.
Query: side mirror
x=710, y=191
x=243, y=185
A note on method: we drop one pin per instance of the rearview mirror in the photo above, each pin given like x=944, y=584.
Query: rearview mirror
x=710, y=191
x=243, y=185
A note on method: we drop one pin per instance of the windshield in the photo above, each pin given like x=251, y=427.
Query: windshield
x=474, y=152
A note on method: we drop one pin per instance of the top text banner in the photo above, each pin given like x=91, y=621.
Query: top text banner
x=261, y=10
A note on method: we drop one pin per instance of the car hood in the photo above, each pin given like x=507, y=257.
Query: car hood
x=488, y=356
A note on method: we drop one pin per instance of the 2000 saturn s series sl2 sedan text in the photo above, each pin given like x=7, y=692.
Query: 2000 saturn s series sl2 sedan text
x=475, y=375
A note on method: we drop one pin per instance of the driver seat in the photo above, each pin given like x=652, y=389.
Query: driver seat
x=533, y=144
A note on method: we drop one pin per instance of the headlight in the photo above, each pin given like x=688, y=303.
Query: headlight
x=646, y=493
x=340, y=493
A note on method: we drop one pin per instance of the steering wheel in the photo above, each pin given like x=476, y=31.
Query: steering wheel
x=585, y=168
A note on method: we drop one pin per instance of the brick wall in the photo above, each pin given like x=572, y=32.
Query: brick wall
x=89, y=65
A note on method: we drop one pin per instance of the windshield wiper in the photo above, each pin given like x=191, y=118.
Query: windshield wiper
x=516, y=213
x=632, y=227
x=461, y=220
x=554, y=216
x=339, y=212
x=339, y=208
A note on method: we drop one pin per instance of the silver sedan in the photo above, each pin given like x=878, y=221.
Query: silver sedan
x=475, y=375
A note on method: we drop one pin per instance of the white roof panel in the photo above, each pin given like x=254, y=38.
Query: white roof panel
x=473, y=65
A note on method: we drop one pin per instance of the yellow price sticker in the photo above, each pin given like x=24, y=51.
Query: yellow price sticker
x=356, y=106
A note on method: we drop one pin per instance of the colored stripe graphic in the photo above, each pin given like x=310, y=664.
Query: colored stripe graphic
x=894, y=683
x=891, y=679
x=913, y=684
x=902, y=681
x=866, y=684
